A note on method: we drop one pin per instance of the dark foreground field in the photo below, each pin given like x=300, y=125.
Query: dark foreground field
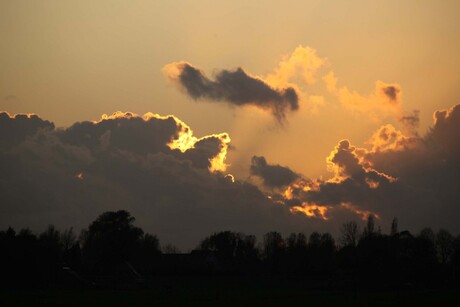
x=228, y=291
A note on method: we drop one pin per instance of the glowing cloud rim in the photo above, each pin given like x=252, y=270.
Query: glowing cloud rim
x=185, y=139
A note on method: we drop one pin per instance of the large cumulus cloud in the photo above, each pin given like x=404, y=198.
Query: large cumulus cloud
x=175, y=183
x=153, y=166
x=235, y=87
x=415, y=178
x=13, y=129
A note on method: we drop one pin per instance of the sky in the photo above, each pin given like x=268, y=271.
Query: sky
x=304, y=103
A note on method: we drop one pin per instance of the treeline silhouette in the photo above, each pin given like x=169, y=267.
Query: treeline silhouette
x=112, y=252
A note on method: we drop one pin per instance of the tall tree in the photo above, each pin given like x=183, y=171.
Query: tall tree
x=394, y=227
x=444, y=245
x=273, y=244
x=349, y=234
x=111, y=238
x=369, y=230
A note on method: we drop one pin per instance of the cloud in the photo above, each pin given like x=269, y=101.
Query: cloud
x=14, y=129
x=273, y=176
x=156, y=168
x=299, y=67
x=391, y=91
x=427, y=168
x=412, y=177
x=345, y=162
x=445, y=135
x=411, y=122
x=148, y=134
x=386, y=100
x=173, y=182
x=353, y=187
x=235, y=87
x=291, y=84
x=388, y=138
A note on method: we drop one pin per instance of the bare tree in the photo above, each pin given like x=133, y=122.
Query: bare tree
x=68, y=239
x=444, y=245
x=427, y=234
x=170, y=249
x=349, y=234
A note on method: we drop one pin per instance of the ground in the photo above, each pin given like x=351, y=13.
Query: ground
x=227, y=291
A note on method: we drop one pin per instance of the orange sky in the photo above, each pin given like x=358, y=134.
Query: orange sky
x=75, y=60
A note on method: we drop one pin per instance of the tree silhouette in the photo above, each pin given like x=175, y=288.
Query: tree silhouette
x=145, y=252
x=170, y=249
x=369, y=230
x=111, y=238
x=349, y=234
x=273, y=251
x=68, y=239
x=428, y=235
x=50, y=253
x=114, y=252
x=321, y=252
x=295, y=260
x=426, y=252
x=273, y=244
x=394, y=227
x=233, y=250
x=456, y=253
x=444, y=244
x=71, y=253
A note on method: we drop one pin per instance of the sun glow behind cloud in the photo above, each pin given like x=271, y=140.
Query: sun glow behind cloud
x=185, y=140
x=363, y=214
x=360, y=186
x=350, y=85
x=311, y=210
x=349, y=164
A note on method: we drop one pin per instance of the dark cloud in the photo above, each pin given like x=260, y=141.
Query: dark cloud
x=352, y=183
x=428, y=172
x=206, y=147
x=436, y=152
x=14, y=129
x=67, y=177
x=391, y=92
x=412, y=177
x=445, y=134
x=124, y=132
x=158, y=170
x=235, y=87
x=273, y=176
x=346, y=162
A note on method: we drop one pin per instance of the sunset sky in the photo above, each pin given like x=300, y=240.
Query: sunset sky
x=328, y=104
